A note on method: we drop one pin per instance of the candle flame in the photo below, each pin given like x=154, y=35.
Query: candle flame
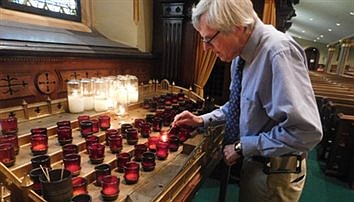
x=164, y=138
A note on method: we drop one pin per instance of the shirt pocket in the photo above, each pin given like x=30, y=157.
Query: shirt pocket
x=252, y=117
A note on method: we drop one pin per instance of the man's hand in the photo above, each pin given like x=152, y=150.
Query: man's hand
x=230, y=155
x=186, y=118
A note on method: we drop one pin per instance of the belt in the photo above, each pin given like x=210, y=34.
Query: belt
x=263, y=159
x=282, y=164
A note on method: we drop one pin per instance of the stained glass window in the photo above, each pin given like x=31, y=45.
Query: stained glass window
x=64, y=9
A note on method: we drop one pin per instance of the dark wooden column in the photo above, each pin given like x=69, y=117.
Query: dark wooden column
x=168, y=30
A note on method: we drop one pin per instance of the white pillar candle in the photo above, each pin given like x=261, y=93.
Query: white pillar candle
x=75, y=104
x=100, y=104
x=88, y=102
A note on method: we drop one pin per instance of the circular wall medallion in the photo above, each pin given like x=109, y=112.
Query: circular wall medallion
x=47, y=82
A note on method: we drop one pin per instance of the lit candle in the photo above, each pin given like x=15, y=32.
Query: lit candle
x=72, y=163
x=79, y=185
x=110, y=187
x=100, y=104
x=162, y=150
x=101, y=171
x=75, y=102
x=39, y=144
x=131, y=172
x=7, y=154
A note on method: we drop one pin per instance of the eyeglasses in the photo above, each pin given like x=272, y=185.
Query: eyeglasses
x=208, y=41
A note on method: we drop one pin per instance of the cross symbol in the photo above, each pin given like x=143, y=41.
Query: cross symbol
x=10, y=84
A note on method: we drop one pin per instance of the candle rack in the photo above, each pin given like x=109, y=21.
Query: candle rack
x=167, y=181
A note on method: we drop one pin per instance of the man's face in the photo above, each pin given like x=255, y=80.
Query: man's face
x=225, y=46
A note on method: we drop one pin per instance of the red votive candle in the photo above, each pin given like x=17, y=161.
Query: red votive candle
x=7, y=154
x=149, y=118
x=90, y=140
x=148, y=161
x=39, y=131
x=132, y=136
x=79, y=185
x=115, y=143
x=138, y=123
x=95, y=125
x=86, y=128
x=64, y=123
x=131, y=172
x=183, y=134
x=152, y=142
x=173, y=143
x=101, y=171
x=104, y=122
x=162, y=150
x=110, y=187
x=139, y=149
x=157, y=124
x=39, y=144
x=122, y=159
x=64, y=135
x=82, y=118
x=9, y=125
x=96, y=153
x=72, y=163
x=123, y=129
x=40, y=160
x=180, y=96
x=10, y=138
x=70, y=149
x=110, y=132
x=145, y=130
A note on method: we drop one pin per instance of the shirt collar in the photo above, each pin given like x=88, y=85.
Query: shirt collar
x=249, y=51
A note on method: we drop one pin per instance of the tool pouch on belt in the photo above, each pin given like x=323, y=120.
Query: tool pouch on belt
x=283, y=164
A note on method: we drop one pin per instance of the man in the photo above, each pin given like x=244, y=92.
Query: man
x=278, y=120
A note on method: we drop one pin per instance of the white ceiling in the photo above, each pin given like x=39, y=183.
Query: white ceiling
x=314, y=18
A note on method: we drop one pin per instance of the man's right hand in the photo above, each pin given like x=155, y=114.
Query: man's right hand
x=186, y=118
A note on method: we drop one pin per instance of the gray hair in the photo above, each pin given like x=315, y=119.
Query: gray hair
x=224, y=15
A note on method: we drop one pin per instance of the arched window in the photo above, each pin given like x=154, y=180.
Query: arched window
x=63, y=9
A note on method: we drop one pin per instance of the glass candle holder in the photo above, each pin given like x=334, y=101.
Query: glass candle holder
x=90, y=140
x=72, y=163
x=34, y=176
x=110, y=132
x=149, y=118
x=101, y=95
x=145, y=130
x=7, y=154
x=157, y=124
x=132, y=136
x=10, y=138
x=104, y=122
x=173, y=143
x=110, y=187
x=74, y=96
x=82, y=198
x=96, y=153
x=82, y=118
x=123, y=129
x=138, y=123
x=131, y=172
x=139, y=149
x=115, y=143
x=39, y=131
x=39, y=144
x=86, y=128
x=101, y=171
x=41, y=160
x=148, y=161
x=162, y=150
x=64, y=135
x=79, y=185
x=70, y=149
x=87, y=89
x=63, y=123
x=152, y=142
x=132, y=86
x=95, y=125
x=9, y=125
x=122, y=159
x=183, y=134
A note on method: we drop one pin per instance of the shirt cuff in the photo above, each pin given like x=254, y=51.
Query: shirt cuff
x=249, y=146
x=206, y=119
